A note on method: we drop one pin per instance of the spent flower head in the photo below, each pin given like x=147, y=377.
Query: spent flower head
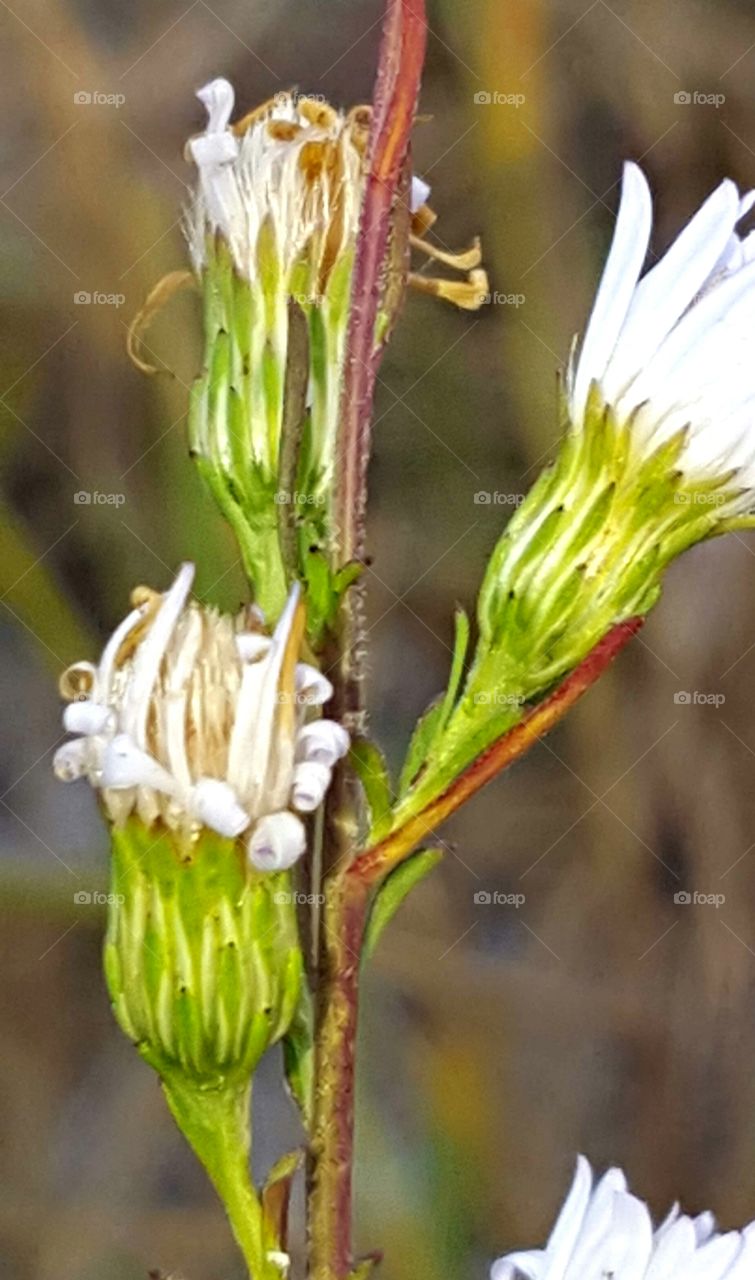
x=272, y=231
x=195, y=720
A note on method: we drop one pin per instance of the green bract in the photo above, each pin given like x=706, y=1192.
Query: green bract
x=202, y=956
x=585, y=550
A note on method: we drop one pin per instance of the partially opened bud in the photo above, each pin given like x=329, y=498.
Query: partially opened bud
x=193, y=732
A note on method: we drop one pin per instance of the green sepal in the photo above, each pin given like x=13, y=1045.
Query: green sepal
x=394, y=890
x=276, y=1197
x=202, y=955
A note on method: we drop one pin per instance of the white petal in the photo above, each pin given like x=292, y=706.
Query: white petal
x=568, y=1225
x=252, y=646
x=251, y=753
x=149, y=656
x=311, y=781
x=124, y=764
x=87, y=717
x=313, y=687
x=324, y=741
x=71, y=760
x=218, y=98
x=420, y=193
x=664, y=294
x=277, y=842
x=620, y=276
x=215, y=804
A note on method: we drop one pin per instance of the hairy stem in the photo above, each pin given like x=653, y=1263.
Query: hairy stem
x=331, y=1152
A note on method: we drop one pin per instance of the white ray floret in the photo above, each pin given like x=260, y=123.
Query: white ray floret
x=198, y=721
x=672, y=350
x=605, y=1231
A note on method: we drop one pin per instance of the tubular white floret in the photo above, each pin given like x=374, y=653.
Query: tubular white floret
x=672, y=350
x=192, y=721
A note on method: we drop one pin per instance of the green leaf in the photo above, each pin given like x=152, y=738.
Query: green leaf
x=425, y=733
x=276, y=1196
x=432, y=723
x=299, y=1054
x=372, y=771
x=394, y=890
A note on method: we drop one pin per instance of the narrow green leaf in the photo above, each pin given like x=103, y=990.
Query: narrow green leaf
x=298, y=1056
x=372, y=771
x=394, y=890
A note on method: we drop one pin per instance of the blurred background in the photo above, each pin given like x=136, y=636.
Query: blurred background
x=600, y=1015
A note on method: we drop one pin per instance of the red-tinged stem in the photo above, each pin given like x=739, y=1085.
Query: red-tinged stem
x=331, y=1148
x=349, y=894
x=371, y=867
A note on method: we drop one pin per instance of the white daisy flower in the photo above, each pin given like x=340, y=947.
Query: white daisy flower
x=605, y=1233
x=198, y=720
x=671, y=351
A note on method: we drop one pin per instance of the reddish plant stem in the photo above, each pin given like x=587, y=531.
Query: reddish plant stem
x=349, y=895
x=331, y=1147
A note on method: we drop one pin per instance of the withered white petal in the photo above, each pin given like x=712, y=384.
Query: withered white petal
x=215, y=804
x=311, y=781
x=191, y=722
x=71, y=761
x=604, y=1230
x=86, y=717
x=277, y=842
x=125, y=765
x=266, y=178
x=323, y=741
x=312, y=686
